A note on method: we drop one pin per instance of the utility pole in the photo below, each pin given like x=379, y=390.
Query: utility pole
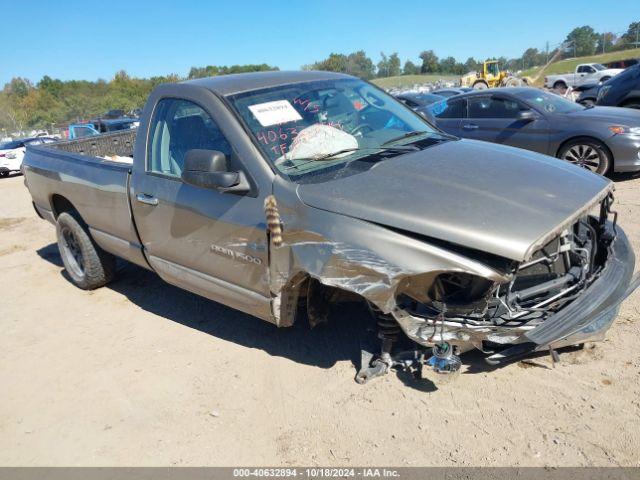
x=547, y=52
x=637, y=30
x=603, y=41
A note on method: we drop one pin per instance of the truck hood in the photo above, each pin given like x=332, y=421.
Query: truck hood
x=497, y=199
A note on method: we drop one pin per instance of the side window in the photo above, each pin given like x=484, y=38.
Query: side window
x=493, y=107
x=177, y=127
x=582, y=69
x=448, y=109
x=81, y=132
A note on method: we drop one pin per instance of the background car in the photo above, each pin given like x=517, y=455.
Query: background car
x=12, y=153
x=622, y=63
x=598, y=138
x=587, y=94
x=415, y=100
x=450, y=92
x=623, y=90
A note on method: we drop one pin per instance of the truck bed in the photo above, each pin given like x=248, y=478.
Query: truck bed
x=74, y=172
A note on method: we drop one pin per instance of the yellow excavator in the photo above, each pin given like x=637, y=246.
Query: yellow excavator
x=492, y=76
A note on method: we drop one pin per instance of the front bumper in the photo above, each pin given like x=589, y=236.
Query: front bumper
x=626, y=152
x=591, y=314
x=587, y=318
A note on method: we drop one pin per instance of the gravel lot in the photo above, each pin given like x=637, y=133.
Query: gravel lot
x=143, y=373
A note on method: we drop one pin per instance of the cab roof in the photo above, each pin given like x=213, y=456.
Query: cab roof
x=244, y=82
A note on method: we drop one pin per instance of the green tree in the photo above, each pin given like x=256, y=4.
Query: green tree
x=447, y=65
x=472, y=65
x=429, y=62
x=383, y=66
x=356, y=63
x=360, y=65
x=410, y=68
x=631, y=38
x=582, y=41
x=394, y=64
x=606, y=41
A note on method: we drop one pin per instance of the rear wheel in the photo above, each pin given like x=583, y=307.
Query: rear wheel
x=587, y=153
x=480, y=86
x=513, y=82
x=86, y=263
x=588, y=102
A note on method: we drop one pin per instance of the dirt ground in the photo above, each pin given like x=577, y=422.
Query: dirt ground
x=143, y=373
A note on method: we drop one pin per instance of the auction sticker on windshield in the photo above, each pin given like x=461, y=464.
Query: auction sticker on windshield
x=273, y=113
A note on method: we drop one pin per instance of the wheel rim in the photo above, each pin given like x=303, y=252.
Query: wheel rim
x=73, y=252
x=585, y=156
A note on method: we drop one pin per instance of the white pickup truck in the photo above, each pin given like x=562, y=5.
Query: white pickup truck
x=585, y=73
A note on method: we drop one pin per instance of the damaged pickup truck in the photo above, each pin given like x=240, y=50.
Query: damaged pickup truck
x=282, y=193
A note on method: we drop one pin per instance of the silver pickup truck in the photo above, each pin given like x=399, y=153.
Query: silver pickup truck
x=585, y=73
x=281, y=194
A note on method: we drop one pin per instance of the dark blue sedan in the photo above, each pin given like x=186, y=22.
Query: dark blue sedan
x=601, y=139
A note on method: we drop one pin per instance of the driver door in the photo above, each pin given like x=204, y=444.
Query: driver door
x=207, y=241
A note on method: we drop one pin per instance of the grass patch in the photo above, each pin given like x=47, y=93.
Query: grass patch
x=569, y=65
x=410, y=80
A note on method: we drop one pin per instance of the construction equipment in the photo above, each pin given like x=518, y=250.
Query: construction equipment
x=492, y=76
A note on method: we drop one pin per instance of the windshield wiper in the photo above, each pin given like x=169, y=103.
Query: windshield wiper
x=415, y=133
x=331, y=155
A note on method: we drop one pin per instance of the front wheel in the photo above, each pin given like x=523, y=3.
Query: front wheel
x=86, y=263
x=587, y=153
x=480, y=86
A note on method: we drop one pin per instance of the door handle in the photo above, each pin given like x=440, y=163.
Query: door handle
x=147, y=199
x=470, y=126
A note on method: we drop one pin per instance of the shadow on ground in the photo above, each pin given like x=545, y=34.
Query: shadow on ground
x=341, y=339
x=322, y=346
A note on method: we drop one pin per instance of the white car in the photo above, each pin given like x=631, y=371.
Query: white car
x=12, y=153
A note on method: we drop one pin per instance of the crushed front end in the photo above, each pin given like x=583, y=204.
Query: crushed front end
x=568, y=292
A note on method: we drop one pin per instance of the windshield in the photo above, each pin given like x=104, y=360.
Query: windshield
x=550, y=102
x=597, y=66
x=311, y=126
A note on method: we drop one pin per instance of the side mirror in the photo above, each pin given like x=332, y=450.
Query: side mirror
x=527, y=115
x=208, y=169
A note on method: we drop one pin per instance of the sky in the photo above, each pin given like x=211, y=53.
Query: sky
x=94, y=39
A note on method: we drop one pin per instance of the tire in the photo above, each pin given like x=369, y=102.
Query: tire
x=560, y=87
x=86, y=263
x=513, y=82
x=604, y=79
x=588, y=102
x=4, y=174
x=587, y=153
x=480, y=86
